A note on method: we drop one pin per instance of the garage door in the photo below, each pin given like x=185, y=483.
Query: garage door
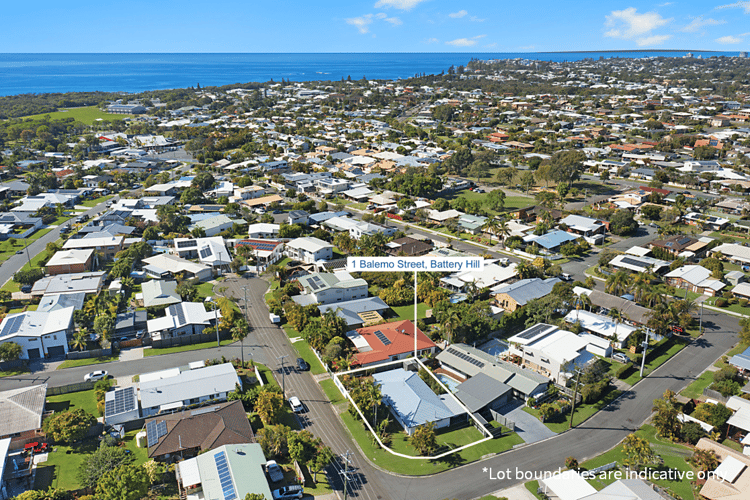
x=33, y=353
x=56, y=351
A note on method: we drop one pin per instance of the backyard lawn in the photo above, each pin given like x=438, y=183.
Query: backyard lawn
x=85, y=400
x=407, y=312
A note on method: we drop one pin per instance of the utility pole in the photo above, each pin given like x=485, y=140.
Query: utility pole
x=645, y=347
x=345, y=472
x=575, y=395
x=26, y=247
x=283, y=373
x=700, y=324
x=216, y=318
x=244, y=288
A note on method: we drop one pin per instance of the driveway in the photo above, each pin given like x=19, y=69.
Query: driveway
x=528, y=427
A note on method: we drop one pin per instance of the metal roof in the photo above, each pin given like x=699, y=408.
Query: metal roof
x=188, y=385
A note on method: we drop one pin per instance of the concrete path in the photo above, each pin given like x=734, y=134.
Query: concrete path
x=528, y=427
x=131, y=353
x=518, y=492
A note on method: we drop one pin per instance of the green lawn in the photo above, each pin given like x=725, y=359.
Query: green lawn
x=729, y=307
x=673, y=455
x=695, y=389
x=414, y=467
x=560, y=423
x=735, y=350
x=407, y=312
x=85, y=114
x=10, y=246
x=14, y=371
x=656, y=357
x=62, y=219
x=205, y=290
x=96, y=201
x=511, y=202
x=183, y=348
x=73, y=363
x=533, y=486
x=332, y=392
x=304, y=350
x=85, y=400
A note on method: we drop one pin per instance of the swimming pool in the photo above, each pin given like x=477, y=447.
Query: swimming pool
x=450, y=383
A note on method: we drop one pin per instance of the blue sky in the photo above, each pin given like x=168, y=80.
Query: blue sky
x=372, y=26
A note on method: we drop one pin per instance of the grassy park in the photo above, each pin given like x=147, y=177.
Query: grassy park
x=85, y=114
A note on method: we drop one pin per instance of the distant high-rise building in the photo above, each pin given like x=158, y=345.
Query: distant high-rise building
x=743, y=55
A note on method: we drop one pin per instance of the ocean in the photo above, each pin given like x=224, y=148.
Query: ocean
x=46, y=73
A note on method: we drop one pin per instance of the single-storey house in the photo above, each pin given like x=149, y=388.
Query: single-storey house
x=158, y=293
x=329, y=288
x=694, y=278
x=511, y=297
x=388, y=342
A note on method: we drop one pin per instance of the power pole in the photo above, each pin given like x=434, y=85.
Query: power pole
x=244, y=288
x=575, y=395
x=283, y=373
x=645, y=348
x=345, y=472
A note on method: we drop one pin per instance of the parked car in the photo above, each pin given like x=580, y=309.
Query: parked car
x=140, y=334
x=296, y=404
x=288, y=492
x=566, y=277
x=302, y=365
x=618, y=356
x=19, y=252
x=26, y=289
x=94, y=376
x=275, y=474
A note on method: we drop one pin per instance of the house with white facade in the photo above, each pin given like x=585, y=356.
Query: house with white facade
x=185, y=318
x=329, y=288
x=40, y=334
x=309, y=250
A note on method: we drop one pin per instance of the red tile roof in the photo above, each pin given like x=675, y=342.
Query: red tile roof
x=400, y=342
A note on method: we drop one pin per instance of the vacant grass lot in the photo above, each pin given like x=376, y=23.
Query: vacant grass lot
x=511, y=202
x=407, y=312
x=85, y=114
x=95, y=201
x=12, y=245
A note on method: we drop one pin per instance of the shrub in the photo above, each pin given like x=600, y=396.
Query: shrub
x=720, y=302
x=624, y=371
x=593, y=392
x=743, y=302
x=692, y=432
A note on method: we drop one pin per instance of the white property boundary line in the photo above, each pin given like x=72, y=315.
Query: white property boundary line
x=340, y=387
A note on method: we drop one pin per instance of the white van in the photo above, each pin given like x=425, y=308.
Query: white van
x=275, y=318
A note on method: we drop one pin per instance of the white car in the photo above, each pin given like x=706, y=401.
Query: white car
x=296, y=404
x=94, y=376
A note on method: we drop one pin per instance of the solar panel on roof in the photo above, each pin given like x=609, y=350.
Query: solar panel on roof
x=225, y=477
x=151, y=435
x=205, y=252
x=180, y=315
x=381, y=337
x=633, y=262
x=533, y=331
x=12, y=325
x=186, y=243
x=123, y=402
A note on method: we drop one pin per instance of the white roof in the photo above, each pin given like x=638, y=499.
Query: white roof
x=263, y=227
x=87, y=242
x=444, y=215
x=189, y=474
x=740, y=419
x=581, y=223
x=174, y=263
x=687, y=418
x=734, y=251
x=599, y=324
x=70, y=257
x=309, y=244
x=188, y=385
x=35, y=323
x=179, y=315
x=638, y=251
x=568, y=485
x=696, y=275
x=730, y=469
x=491, y=275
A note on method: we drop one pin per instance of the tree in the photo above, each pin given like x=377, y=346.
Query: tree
x=622, y=223
x=269, y=406
x=187, y=291
x=704, y=460
x=323, y=457
x=28, y=276
x=547, y=411
x=104, y=325
x=423, y=439
x=273, y=439
x=68, y=426
x=103, y=460
x=637, y=452
x=527, y=181
x=665, y=420
x=239, y=332
x=126, y=482
x=255, y=496
x=49, y=494
x=571, y=463
x=691, y=432
x=10, y=351
x=79, y=340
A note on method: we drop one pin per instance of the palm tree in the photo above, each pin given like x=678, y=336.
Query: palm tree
x=617, y=283
x=502, y=229
x=79, y=340
x=239, y=332
x=615, y=314
x=652, y=296
x=451, y=323
x=490, y=226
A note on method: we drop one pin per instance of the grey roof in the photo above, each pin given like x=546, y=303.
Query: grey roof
x=131, y=320
x=69, y=283
x=529, y=289
x=160, y=293
x=741, y=360
x=189, y=384
x=411, y=398
x=472, y=361
x=351, y=309
x=480, y=390
x=21, y=409
x=628, y=308
x=56, y=302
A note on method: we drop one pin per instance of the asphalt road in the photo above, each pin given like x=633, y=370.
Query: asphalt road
x=17, y=261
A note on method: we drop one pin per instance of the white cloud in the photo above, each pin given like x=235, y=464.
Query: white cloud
x=698, y=23
x=665, y=4
x=732, y=39
x=432, y=40
x=652, y=40
x=526, y=47
x=458, y=15
x=362, y=23
x=465, y=42
x=476, y=19
x=629, y=24
x=398, y=4
x=745, y=6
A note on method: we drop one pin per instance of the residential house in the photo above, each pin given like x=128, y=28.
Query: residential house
x=121, y=405
x=70, y=261
x=388, y=342
x=511, y=297
x=56, y=302
x=40, y=334
x=706, y=221
x=330, y=288
x=471, y=223
x=674, y=245
x=741, y=361
x=165, y=265
x=551, y=241
x=21, y=412
x=263, y=230
x=212, y=226
x=158, y=293
x=408, y=246
x=309, y=250
x=176, y=388
x=629, y=310
x=694, y=278
x=298, y=217
x=490, y=276
x=130, y=322
x=18, y=225
x=639, y=264
x=412, y=403
x=185, y=318
x=211, y=251
x=601, y=326
x=195, y=431
x=358, y=313
x=731, y=479
x=267, y=252
x=88, y=283
x=735, y=253
x=226, y=472
x=592, y=230
x=107, y=246
x=466, y=362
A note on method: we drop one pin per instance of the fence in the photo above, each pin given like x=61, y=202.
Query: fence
x=199, y=338
x=569, y=392
x=9, y=365
x=94, y=353
x=710, y=393
x=502, y=420
x=131, y=343
x=65, y=389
